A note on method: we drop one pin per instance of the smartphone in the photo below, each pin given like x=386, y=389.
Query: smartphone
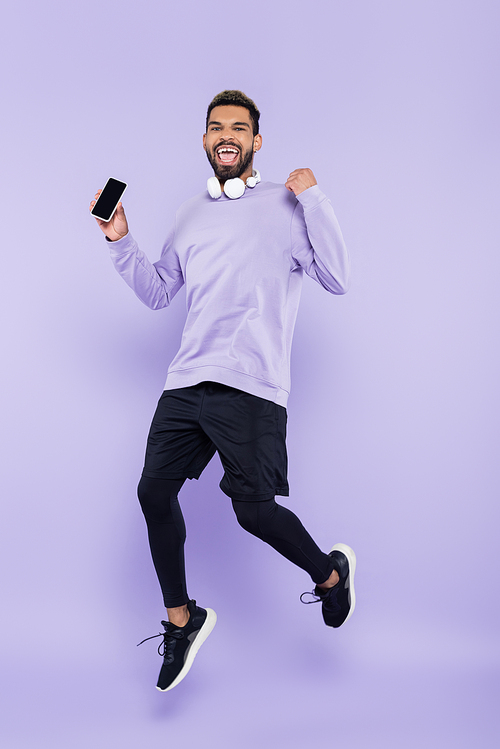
x=108, y=199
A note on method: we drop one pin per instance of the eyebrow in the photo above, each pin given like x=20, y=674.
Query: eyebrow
x=240, y=124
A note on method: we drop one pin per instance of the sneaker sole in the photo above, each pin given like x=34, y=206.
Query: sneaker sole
x=207, y=627
x=351, y=558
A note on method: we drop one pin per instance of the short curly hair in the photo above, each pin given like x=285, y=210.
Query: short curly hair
x=235, y=99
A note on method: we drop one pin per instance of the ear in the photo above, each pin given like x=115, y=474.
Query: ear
x=204, y=141
x=257, y=142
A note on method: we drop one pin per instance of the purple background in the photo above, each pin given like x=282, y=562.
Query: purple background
x=393, y=419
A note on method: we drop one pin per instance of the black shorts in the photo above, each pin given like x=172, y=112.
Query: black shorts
x=190, y=424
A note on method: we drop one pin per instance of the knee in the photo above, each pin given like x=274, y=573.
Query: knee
x=247, y=515
x=155, y=497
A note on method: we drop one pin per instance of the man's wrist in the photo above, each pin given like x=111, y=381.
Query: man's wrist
x=311, y=197
x=108, y=239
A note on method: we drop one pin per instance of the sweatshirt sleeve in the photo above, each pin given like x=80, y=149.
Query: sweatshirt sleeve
x=317, y=243
x=155, y=284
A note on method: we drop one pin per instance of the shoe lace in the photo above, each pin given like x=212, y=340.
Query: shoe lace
x=165, y=648
x=315, y=598
x=328, y=599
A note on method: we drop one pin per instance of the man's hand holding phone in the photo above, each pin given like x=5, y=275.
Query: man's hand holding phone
x=108, y=210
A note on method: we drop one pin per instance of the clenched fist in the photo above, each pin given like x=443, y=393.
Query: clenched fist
x=300, y=180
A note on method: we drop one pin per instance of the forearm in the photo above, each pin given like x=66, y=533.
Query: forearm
x=139, y=273
x=329, y=261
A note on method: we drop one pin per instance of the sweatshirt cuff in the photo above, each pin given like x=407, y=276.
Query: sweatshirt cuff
x=121, y=245
x=311, y=198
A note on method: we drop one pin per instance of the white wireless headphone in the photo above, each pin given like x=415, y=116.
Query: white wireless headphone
x=233, y=188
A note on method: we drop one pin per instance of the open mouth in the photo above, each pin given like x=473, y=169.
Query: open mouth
x=227, y=155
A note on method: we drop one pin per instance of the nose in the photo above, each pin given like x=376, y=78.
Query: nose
x=226, y=133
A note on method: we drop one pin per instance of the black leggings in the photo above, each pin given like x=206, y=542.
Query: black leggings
x=274, y=524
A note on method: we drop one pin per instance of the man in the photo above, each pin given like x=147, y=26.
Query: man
x=241, y=248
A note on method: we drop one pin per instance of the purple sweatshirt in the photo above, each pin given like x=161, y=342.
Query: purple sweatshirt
x=242, y=262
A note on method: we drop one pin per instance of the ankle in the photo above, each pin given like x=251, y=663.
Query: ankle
x=178, y=616
x=331, y=582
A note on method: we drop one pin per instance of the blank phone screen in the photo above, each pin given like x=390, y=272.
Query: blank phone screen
x=108, y=199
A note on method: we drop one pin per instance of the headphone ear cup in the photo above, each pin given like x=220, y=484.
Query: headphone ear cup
x=234, y=188
x=254, y=179
x=213, y=187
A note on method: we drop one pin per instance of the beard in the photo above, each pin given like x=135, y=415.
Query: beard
x=224, y=172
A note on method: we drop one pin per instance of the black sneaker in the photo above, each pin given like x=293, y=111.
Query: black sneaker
x=338, y=602
x=180, y=645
